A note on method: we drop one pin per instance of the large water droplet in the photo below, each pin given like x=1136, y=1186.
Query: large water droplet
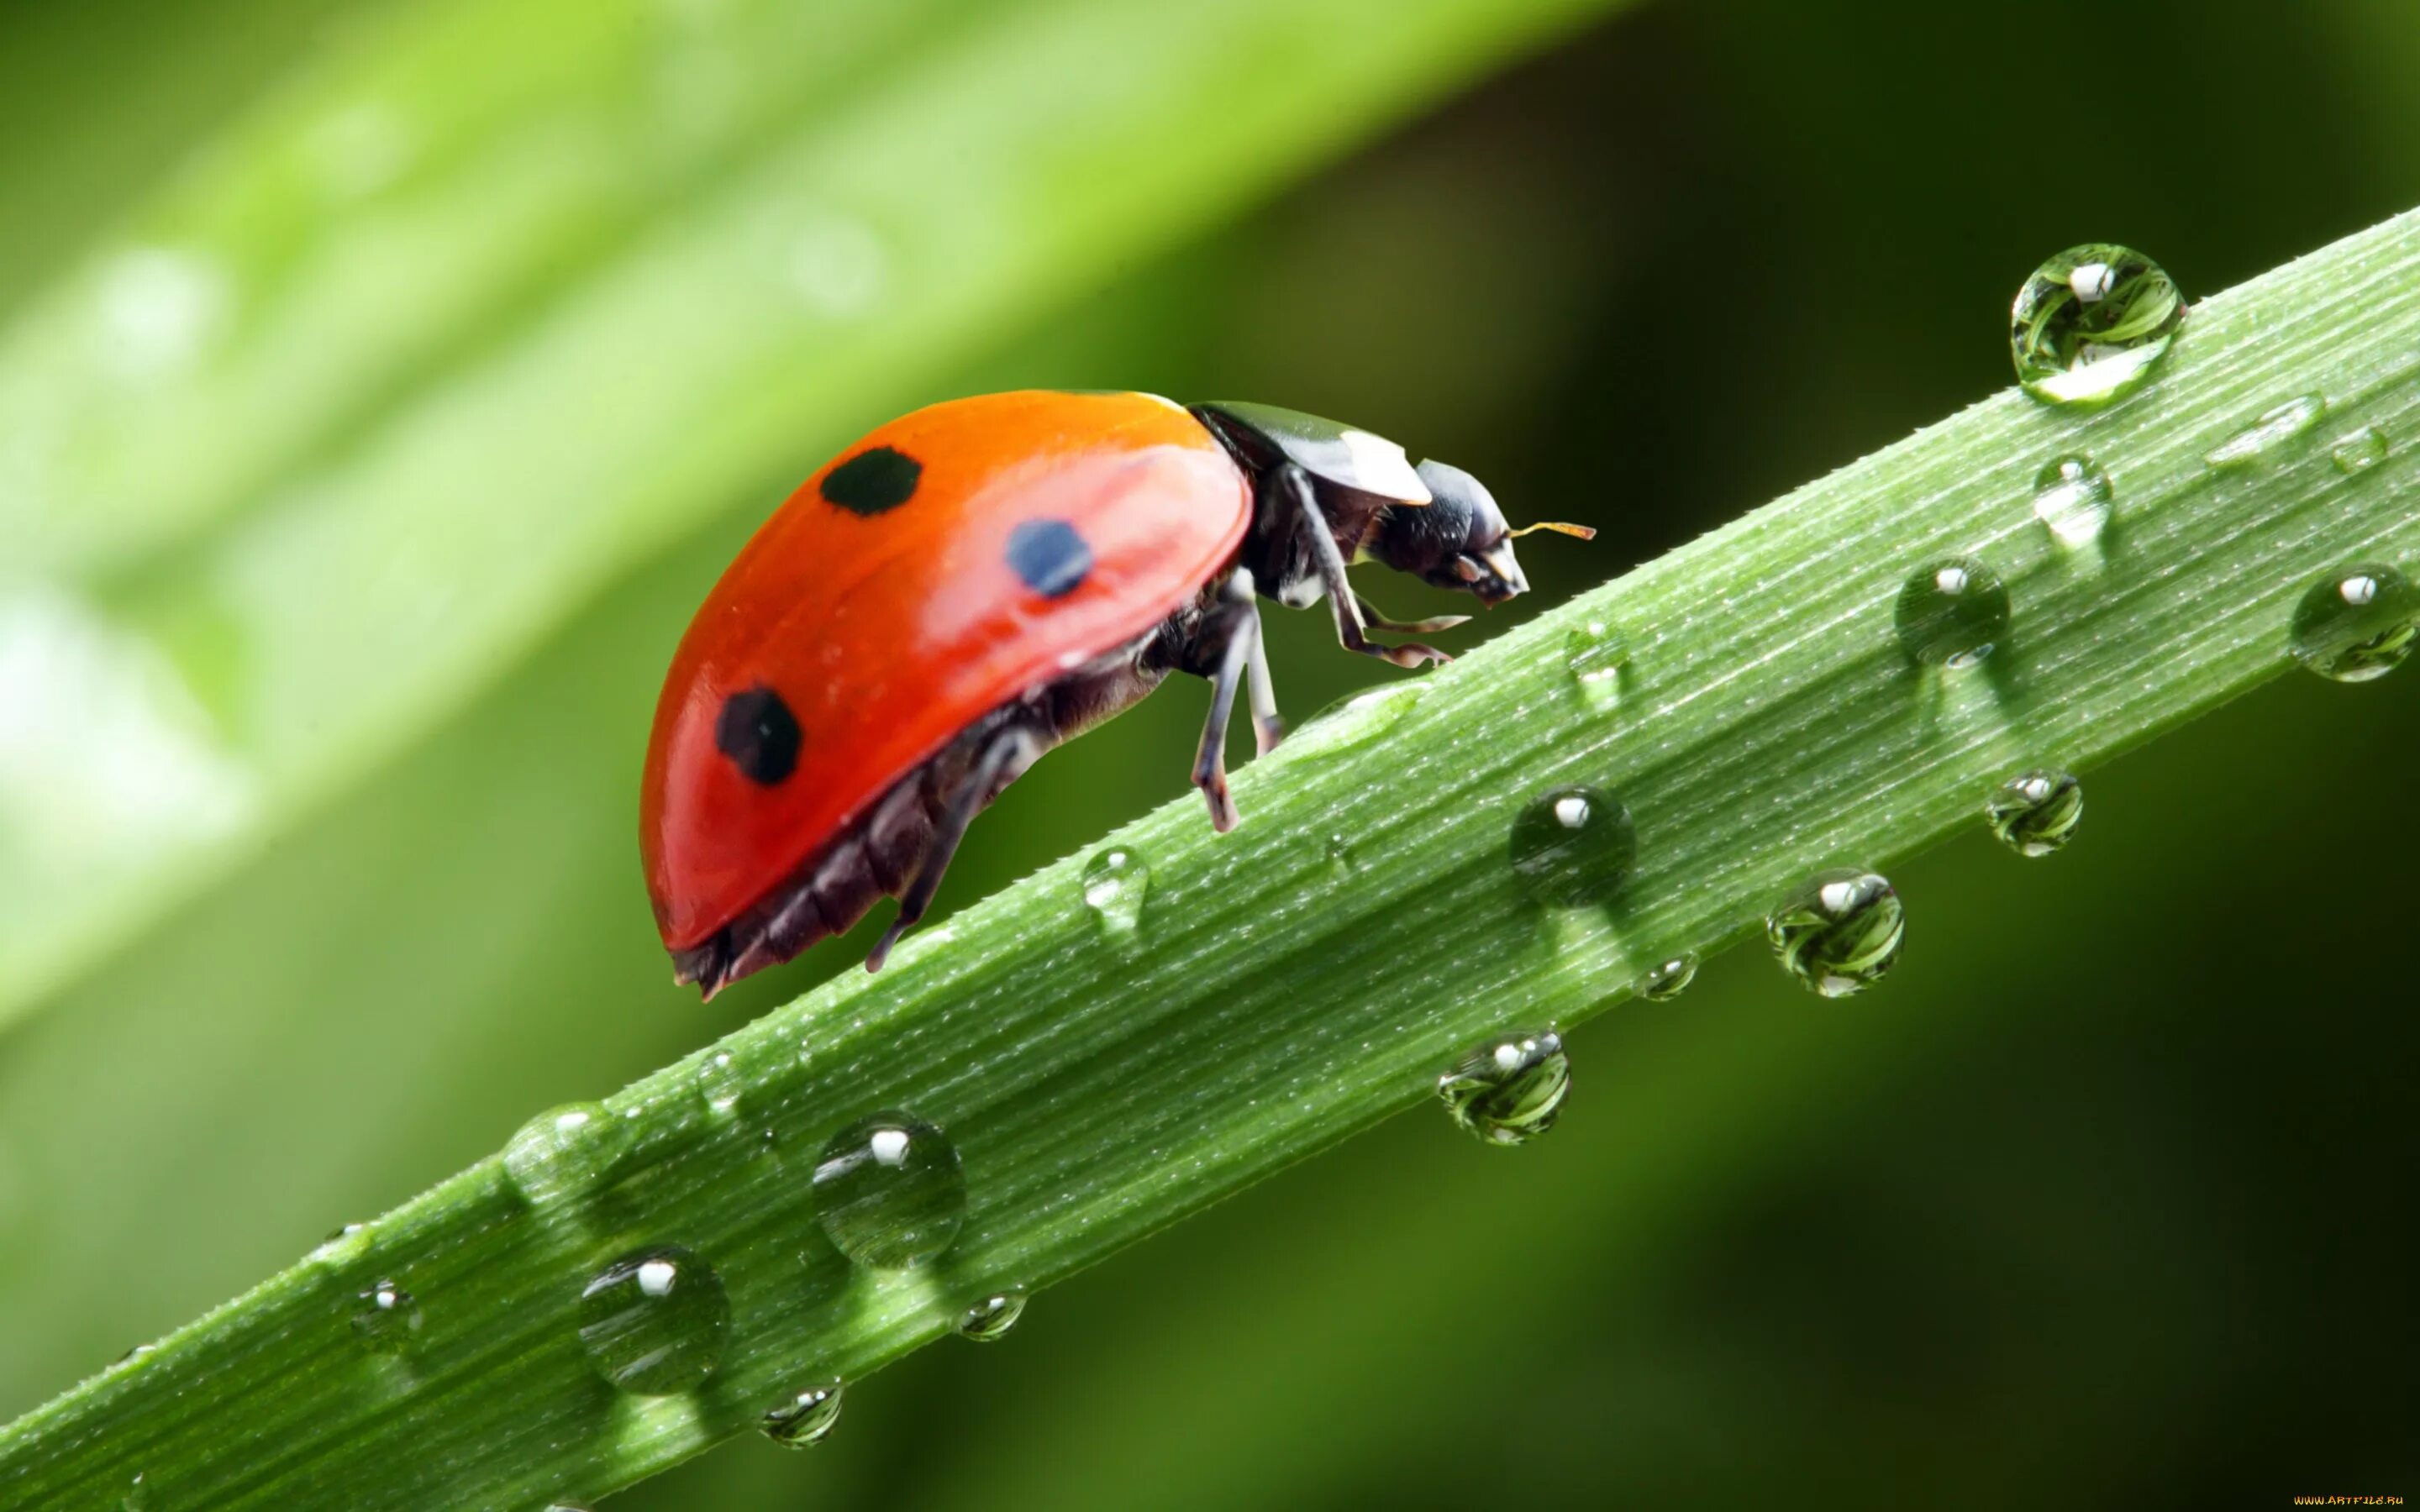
x=1116, y=882
x=2090, y=322
x=2036, y=812
x=655, y=1320
x=2272, y=429
x=992, y=1317
x=1952, y=612
x=890, y=1192
x=1573, y=846
x=802, y=1421
x=1840, y=932
x=1508, y=1090
x=2356, y=623
x=386, y=1317
x=1595, y=653
x=2358, y=451
x=565, y=1152
x=1353, y=720
x=1668, y=979
x=2073, y=497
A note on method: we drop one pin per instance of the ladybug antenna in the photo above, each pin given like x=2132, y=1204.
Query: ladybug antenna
x=1584, y=533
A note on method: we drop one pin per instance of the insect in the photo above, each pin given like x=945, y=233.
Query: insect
x=971, y=584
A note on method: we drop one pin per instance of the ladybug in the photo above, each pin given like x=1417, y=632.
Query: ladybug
x=975, y=582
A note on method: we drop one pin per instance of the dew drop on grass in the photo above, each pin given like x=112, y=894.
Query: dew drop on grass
x=138, y=1495
x=2356, y=623
x=2090, y=322
x=563, y=1152
x=1353, y=720
x=1668, y=979
x=654, y=1323
x=1341, y=856
x=802, y=1421
x=2072, y=498
x=1508, y=1090
x=1595, y=653
x=1839, y=932
x=1116, y=882
x=890, y=1192
x=2358, y=451
x=2036, y=812
x=386, y=1317
x=1952, y=613
x=2274, y=427
x=720, y=1083
x=1573, y=846
x=990, y=1319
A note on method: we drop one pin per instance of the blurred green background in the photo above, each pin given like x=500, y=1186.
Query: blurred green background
x=2104, y=1201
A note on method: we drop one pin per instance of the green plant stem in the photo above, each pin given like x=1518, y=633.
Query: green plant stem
x=1277, y=998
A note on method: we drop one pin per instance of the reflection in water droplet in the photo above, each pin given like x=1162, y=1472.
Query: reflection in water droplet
x=802, y=1421
x=1508, y=1090
x=655, y=1320
x=890, y=1192
x=1595, y=653
x=2073, y=497
x=1840, y=932
x=2356, y=623
x=1353, y=720
x=2036, y=812
x=2090, y=322
x=1952, y=613
x=992, y=1317
x=1573, y=846
x=563, y=1151
x=2358, y=451
x=1116, y=882
x=2264, y=436
x=720, y=1083
x=386, y=1318
x=1669, y=979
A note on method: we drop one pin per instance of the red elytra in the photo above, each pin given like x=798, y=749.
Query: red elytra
x=968, y=585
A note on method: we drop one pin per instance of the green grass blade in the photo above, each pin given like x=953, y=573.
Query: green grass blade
x=1276, y=1000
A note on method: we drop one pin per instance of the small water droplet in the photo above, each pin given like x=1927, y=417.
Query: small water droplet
x=1840, y=932
x=890, y=1192
x=1952, y=613
x=1669, y=979
x=1596, y=652
x=2036, y=812
x=1508, y=1090
x=720, y=1083
x=387, y=1318
x=2356, y=623
x=1340, y=854
x=2073, y=497
x=1573, y=846
x=802, y=1421
x=137, y=1352
x=138, y=1494
x=1116, y=882
x=1355, y=720
x=2264, y=436
x=2090, y=322
x=654, y=1321
x=563, y=1151
x=564, y=1507
x=991, y=1318
x=2358, y=451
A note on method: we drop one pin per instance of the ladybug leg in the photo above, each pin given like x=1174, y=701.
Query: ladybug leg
x=1375, y=620
x=1005, y=760
x=1340, y=597
x=1268, y=725
x=1225, y=646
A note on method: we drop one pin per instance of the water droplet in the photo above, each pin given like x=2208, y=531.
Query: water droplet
x=564, y=1507
x=2090, y=322
x=2358, y=451
x=720, y=1083
x=2073, y=497
x=890, y=1192
x=654, y=1321
x=1353, y=720
x=1952, y=613
x=992, y=1317
x=1116, y=881
x=137, y=1352
x=565, y=1152
x=1840, y=932
x=138, y=1495
x=2036, y=812
x=1508, y=1090
x=1340, y=854
x=387, y=1318
x=2356, y=623
x=2273, y=429
x=1669, y=979
x=1573, y=846
x=1596, y=652
x=802, y=1421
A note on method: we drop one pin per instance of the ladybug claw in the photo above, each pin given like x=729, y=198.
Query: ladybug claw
x=1223, y=816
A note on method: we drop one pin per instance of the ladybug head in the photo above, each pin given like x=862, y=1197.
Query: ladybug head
x=1459, y=540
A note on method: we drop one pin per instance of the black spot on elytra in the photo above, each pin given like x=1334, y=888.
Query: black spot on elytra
x=876, y=479
x=760, y=734
x=1049, y=556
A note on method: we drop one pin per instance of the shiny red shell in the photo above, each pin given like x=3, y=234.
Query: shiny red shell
x=885, y=630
